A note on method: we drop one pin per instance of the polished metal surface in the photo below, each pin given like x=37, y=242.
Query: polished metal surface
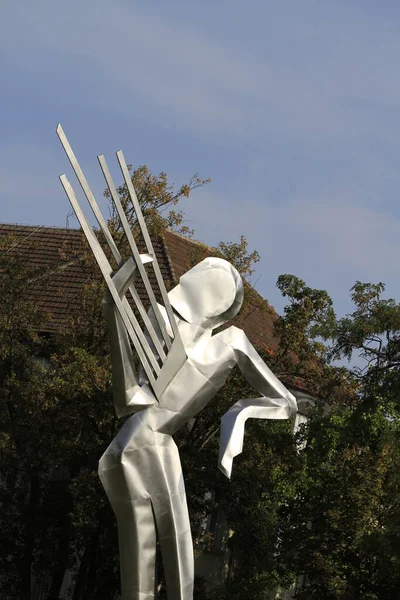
x=161, y=357
x=133, y=247
x=141, y=470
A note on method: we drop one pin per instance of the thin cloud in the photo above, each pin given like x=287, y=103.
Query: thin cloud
x=123, y=56
x=329, y=244
x=301, y=100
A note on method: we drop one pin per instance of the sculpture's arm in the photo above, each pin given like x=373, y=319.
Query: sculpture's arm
x=253, y=367
x=276, y=401
x=129, y=396
x=233, y=423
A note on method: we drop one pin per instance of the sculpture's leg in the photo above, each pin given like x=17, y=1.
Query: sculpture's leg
x=145, y=487
x=137, y=550
x=173, y=528
x=136, y=535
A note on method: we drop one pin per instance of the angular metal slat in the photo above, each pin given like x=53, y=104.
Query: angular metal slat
x=142, y=338
x=88, y=192
x=149, y=244
x=136, y=255
x=103, y=225
x=175, y=355
x=107, y=271
x=148, y=324
x=138, y=329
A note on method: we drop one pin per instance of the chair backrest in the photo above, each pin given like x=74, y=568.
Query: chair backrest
x=160, y=354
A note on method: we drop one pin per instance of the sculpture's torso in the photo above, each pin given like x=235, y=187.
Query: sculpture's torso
x=203, y=374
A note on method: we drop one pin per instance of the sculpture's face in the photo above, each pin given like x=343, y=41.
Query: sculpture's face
x=208, y=295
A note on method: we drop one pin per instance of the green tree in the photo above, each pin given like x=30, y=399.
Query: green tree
x=22, y=407
x=58, y=418
x=329, y=512
x=158, y=200
x=55, y=400
x=341, y=529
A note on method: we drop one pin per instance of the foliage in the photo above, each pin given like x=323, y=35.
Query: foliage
x=341, y=529
x=157, y=198
x=244, y=260
x=57, y=515
x=55, y=401
x=328, y=513
x=308, y=315
x=237, y=254
x=372, y=331
x=308, y=322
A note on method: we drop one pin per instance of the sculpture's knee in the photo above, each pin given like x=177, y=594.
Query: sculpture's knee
x=111, y=459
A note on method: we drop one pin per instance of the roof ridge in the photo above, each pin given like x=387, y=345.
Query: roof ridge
x=173, y=250
x=42, y=227
x=187, y=239
x=203, y=244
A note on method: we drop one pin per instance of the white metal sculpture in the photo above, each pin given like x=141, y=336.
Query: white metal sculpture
x=183, y=367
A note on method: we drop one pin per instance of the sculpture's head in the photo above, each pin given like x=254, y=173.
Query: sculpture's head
x=210, y=294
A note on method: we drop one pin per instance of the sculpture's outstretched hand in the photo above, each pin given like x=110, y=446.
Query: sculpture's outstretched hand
x=276, y=402
x=233, y=422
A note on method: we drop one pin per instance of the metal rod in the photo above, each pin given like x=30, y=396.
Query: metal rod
x=103, y=225
x=148, y=242
x=107, y=272
x=88, y=192
x=132, y=244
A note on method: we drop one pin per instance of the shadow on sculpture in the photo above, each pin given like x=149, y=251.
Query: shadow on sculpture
x=183, y=365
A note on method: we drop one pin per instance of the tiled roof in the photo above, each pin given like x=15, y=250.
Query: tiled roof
x=256, y=319
x=51, y=247
x=61, y=250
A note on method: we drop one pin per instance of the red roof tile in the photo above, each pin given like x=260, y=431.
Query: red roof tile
x=257, y=318
x=60, y=250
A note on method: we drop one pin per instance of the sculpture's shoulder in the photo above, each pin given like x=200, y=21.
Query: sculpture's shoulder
x=212, y=357
x=233, y=336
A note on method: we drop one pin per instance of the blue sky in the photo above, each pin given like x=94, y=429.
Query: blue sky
x=292, y=107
